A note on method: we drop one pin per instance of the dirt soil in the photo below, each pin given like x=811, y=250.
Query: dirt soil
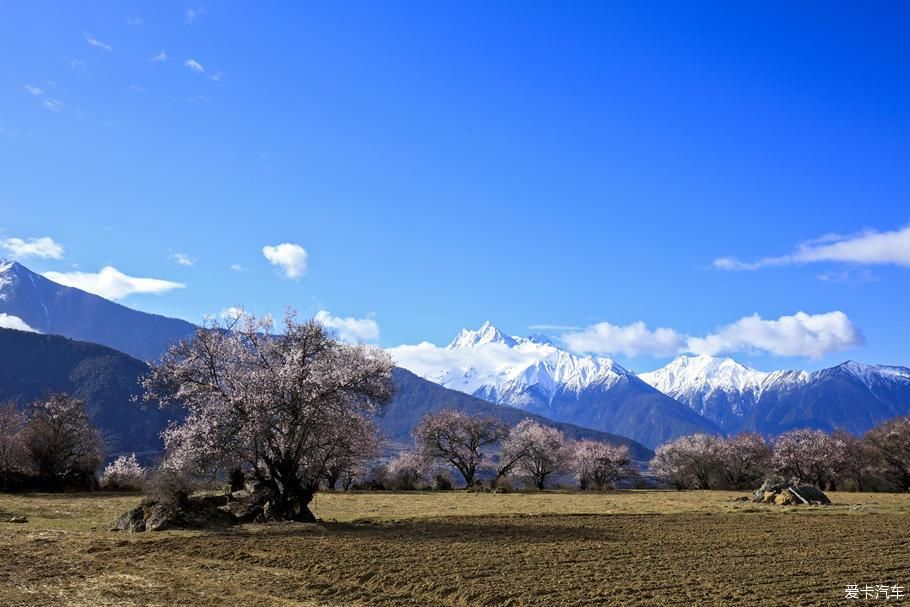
x=549, y=549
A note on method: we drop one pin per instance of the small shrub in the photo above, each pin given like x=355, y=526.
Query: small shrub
x=123, y=474
x=442, y=482
x=503, y=485
x=169, y=487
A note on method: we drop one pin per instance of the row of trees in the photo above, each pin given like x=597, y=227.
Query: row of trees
x=50, y=445
x=475, y=446
x=878, y=460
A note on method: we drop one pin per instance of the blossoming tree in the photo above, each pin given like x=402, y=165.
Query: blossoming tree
x=280, y=406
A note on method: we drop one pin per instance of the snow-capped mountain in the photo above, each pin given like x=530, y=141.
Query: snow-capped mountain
x=48, y=307
x=533, y=374
x=520, y=371
x=853, y=396
x=720, y=389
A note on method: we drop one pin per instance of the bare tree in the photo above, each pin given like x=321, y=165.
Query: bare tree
x=743, y=460
x=890, y=446
x=544, y=451
x=689, y=462
x=599, y=464
x=810, y=456
x=62, y=444
x=459, y=439
x=272, y=402
x=12, y=448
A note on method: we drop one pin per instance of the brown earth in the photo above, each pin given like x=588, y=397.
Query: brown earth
x=552, y=549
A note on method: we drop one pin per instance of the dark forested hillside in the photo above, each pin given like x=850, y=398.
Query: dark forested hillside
x=33, y=365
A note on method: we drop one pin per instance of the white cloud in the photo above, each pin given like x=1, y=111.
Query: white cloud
x=111, y=283
x=866, y=248
x=350, y=329
x=632, y=340
x=811, y=335
x=192, y=13
x=54, y=105
x=44, y=247
x=231, y=313
x=801, y=334
x=183, y=259
x=236, y=267
x=8, y=321
x=162, y=56
x=292, y=258
x=429, y=360
x=194, y=65
x=92, y=41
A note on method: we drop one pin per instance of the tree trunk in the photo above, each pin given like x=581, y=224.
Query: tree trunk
x=293, y=506
x=290, y=500
x=331, y=481
x=237, y=479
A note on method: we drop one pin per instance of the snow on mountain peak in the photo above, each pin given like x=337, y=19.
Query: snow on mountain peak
x=687, y=372
x=869, y=373
x=507, y=369
x=486, y=334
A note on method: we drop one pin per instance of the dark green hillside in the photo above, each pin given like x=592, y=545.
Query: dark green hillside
x=33, y=365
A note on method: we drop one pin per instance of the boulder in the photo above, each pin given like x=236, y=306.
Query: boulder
x=785, y=498
x=810, y=494
x=197, y=512
x=772, y=485
x=776, y=490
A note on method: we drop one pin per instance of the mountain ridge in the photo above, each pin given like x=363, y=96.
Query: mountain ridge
x=853, y=396
x=52, y=308
x=534, y=375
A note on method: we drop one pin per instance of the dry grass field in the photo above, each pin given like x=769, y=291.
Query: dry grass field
x=549, y=549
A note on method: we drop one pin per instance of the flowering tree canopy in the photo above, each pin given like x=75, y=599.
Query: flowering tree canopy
x=810, y=456
x=407, y=469
x=459, y=439
x=688, y=462
x=280, y=406
x=12, y=449
x=743, y=459
x=125, y=472
x=599, y=464
x=537, y=451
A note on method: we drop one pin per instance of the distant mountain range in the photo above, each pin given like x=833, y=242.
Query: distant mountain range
x=534, y=375
x=508, y=376
x=33, y=365
x=48, y=307
x=691, y=394
x=852, y=396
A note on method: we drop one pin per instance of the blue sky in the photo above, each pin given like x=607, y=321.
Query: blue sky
x=442, y=164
